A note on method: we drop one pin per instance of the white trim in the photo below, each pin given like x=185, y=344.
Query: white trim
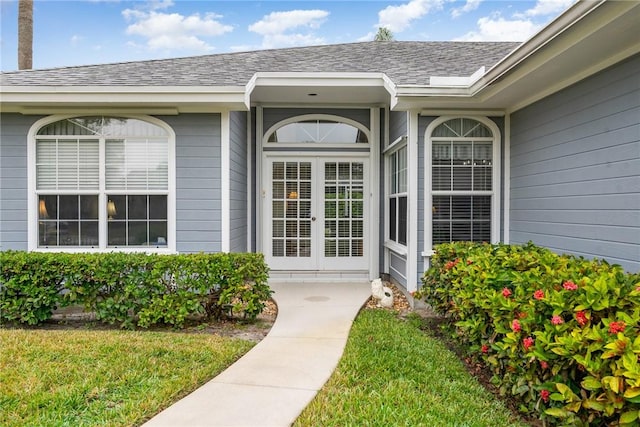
x=249, y=187
x=507, y=179
x=225, y=176
x=374, y=190
x=295, y=119
x=396, y=145
x=260, y=192
x=32, y=199
x=395, y=247
x=387, y=257
x=463, y=112
x=412, y=201
x=496, y=178
x=450, y=81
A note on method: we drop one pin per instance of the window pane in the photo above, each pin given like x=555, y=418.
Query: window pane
x=461, y=207
x=158, y=233
x=69, y=233
x=137, y=207
x=318, y=131
x=89, y=207
x=402, y=220
x=461, y=231
x=48, y=207
x=69, y=207
x=461, y=178
x=158, y=207
x=441, y=178
x=392, y=219
x=441, y=207
x=48, y=233
x=117, y=233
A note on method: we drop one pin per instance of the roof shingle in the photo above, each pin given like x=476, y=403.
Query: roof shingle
x=405, y=63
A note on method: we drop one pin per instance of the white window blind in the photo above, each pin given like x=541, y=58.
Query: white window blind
x=136, y=164
x=67, y=164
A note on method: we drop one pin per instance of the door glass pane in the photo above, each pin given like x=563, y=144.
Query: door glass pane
x=291, y=200
x=343, y=200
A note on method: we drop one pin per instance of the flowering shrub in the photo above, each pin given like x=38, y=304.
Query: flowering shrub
x=131, y=289
x=560, y=333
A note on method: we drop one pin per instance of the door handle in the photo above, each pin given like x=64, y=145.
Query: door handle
x=313, y=218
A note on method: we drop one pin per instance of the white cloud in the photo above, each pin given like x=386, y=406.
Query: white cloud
x=398, y=18
x=500, y=29
x=547, y=7
x=276, y=27
x=367, y=37
x=172, y=30
x=75, y=39
x=469, y=6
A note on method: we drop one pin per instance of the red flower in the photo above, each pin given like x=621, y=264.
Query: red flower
x=527, y=343
x=615, y=327
x=544, y=365
x=515, y=326
x=557, y=320
x=569, y=285
x=451, y=264
x=539, y=294
x=485, y=348
x=581, y=318
x=544, y=394
x=506, y=292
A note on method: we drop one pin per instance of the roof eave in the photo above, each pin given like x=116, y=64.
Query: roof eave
x=62, y=99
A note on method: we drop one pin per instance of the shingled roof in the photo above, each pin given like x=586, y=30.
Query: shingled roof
x=405, y=63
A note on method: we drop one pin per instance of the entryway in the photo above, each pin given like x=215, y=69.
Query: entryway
x=316, y=212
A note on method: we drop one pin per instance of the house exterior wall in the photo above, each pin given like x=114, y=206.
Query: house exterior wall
x=13, y=180
x=397, y=125
x=575, y=168
x=198, y=183
x=238, y=181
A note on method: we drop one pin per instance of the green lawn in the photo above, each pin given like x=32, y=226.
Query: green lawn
x=392, y=374
x=108, y=378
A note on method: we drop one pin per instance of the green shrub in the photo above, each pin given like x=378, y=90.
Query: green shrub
x=560, y=333
x=132, y=289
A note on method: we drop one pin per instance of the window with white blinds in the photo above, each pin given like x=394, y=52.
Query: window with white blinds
x=118, y=164
x=461, y=181
x=397, y=166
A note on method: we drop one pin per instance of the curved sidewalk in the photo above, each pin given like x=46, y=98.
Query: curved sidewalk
x=276, y=380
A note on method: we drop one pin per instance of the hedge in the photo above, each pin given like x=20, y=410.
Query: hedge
x=132, y=289
x=560, y=333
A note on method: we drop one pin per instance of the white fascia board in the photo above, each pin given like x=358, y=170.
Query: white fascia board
x=319, y=79
x=452, y=81
x=13, y=98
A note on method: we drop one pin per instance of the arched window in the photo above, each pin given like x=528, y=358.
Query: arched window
x=102, y=182
x=319, y=130
x=463, y=177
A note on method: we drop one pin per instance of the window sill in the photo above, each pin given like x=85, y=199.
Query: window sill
x=78, y=249
x=428, y=254
x=396, y=247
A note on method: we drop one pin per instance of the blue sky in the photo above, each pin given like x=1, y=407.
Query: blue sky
x=100, y=31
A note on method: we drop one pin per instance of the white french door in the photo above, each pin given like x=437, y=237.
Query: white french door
x=316, y=213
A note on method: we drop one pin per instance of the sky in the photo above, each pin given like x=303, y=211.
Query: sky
x=83, y=32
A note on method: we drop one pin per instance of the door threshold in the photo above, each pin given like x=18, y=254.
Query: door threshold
x=318, y=276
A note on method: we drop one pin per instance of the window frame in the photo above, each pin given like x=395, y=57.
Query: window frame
x=309, y=117
x=496, y=182
x=392, y=150
x=102, y=192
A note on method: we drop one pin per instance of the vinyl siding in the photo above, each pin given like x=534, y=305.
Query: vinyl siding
x=575, y=168
x=13, y=180
x=397, y=268
x=397, y=125
x=198, y=185
x=238, y=181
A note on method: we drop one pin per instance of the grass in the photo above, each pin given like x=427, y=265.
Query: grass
x=392, y=374
x=92, y=378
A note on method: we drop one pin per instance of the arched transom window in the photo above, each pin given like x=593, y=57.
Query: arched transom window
x=462, y=181
x=102, y=182
x=317, y=130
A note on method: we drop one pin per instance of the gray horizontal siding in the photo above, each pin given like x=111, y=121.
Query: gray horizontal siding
x=13, y=180
x=198, y=189
x=575, y=168
x=397, y=125
x=397, y=268
x=238, y=182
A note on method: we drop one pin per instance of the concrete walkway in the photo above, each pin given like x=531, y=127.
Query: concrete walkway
x=276, y=380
